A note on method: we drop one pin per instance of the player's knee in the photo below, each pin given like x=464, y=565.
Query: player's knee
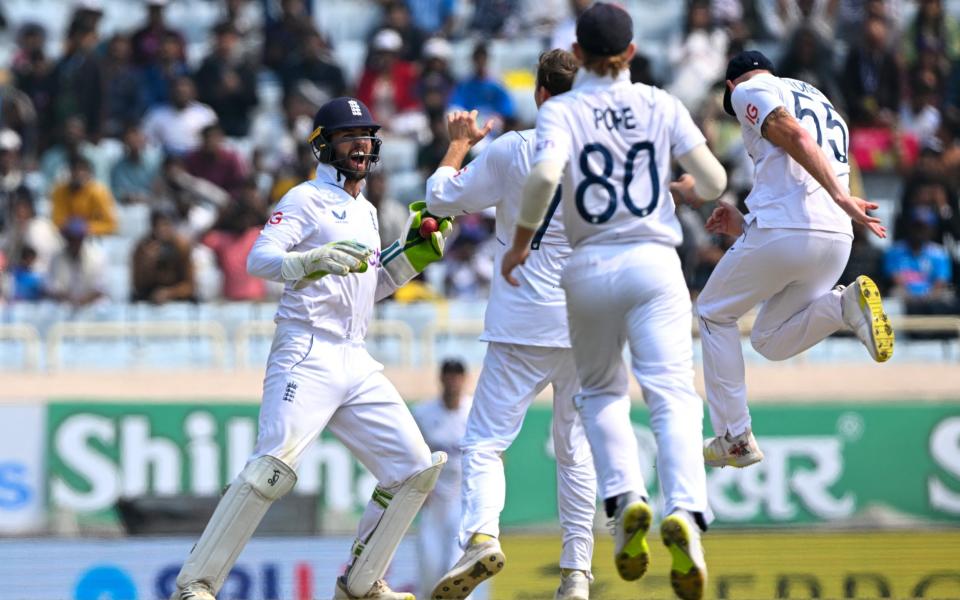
x=761, y=342
x=475, y=442
x=270, y=477
x=712, y=310
x=419, y=463
x=672, y=401
x=564, y=451
x=711, y=316
x=592, y=402
x=704, y=307
x=602, y=391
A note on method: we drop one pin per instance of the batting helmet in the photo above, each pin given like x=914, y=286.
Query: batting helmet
x=336, y=115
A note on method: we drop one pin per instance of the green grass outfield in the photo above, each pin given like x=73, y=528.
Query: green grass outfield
x=758, y=565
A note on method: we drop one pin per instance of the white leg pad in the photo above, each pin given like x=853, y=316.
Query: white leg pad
x=261, y=482
x=374, y=556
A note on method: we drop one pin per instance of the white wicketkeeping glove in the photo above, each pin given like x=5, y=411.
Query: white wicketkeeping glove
x=337, y=258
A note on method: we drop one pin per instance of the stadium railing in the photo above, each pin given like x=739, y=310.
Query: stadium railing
x=213, y=331
x=29, y=337
x=378, y=328
x=223, y=343
x=948, y=324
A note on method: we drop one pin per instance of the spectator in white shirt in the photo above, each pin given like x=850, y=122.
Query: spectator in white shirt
x=698, y=57
x=920, y=115
x=177, y=126
x=26, y=229
x=76, y=273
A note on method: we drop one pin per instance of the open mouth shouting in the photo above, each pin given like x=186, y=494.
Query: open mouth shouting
x=358, y=160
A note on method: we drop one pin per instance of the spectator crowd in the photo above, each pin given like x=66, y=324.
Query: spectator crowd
x=126, y=148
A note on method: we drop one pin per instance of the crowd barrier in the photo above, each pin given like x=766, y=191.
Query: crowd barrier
x=223, y=344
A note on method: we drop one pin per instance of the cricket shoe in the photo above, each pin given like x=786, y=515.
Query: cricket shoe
x=630, y=525
x=575, y=585
x=688, y=573
x=479, y=562
x=863, y=313
x=732, y=451
x=195, y=590
x=379, y=591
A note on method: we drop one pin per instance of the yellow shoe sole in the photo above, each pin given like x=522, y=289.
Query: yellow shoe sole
x=460, y=582
x=881, y=332
x=632, y=560
x=687, y=579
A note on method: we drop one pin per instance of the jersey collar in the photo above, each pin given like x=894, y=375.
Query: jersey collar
x=585, y=80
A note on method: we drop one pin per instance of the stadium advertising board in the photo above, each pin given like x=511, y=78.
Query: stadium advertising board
x=102, y=452
x=22, y=505
x=125, y=569
x=824, y=463
x=855, y=463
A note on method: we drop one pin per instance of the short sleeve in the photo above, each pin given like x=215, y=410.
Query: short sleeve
x=553, y=135
x=685, y=135
x=753, y=101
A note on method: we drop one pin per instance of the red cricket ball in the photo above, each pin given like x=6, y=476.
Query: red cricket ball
x=427, y=226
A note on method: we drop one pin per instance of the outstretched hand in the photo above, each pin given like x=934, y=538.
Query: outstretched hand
x=462, y=127
x=857, y=209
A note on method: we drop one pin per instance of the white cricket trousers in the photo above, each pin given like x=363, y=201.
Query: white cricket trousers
x=635, y=293
x=511, y=378
x=791, y=274
x=437, y=545
x=315, y=381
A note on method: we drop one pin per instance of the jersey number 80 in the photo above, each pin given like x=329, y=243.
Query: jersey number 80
x=603, y=180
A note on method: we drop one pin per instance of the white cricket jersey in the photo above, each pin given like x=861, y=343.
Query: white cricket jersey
x=784, y=194
x=617, y=139
x=310, y=215
x=535, y=313
x=443, y=429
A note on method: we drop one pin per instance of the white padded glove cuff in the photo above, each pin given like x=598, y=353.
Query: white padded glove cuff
x=292, y=267
x=397, y=265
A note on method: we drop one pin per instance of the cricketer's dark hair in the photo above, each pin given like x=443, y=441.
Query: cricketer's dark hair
x=556, y=70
